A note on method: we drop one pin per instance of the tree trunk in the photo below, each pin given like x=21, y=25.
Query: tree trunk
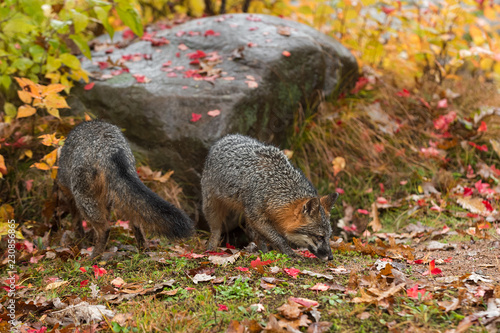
x=246, y=4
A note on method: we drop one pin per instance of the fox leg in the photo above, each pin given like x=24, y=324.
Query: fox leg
x=215, y=212
x=139, y=237
x=91, y=202
x=259, y=241
x=267, y=232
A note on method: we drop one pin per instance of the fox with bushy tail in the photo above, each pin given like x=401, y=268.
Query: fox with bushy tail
x=97, y=173
x=280, y=205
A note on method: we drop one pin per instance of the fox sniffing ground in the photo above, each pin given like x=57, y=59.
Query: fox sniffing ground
x=280, y=205
x=97, y=173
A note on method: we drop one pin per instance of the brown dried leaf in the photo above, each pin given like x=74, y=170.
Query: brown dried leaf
x=375, y=222
x=290, y=310
x=284, y=30
x=473, y=205
x=448, y=306
x=223, y=261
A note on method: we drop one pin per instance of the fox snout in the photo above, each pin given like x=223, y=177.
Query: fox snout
x=323, y=251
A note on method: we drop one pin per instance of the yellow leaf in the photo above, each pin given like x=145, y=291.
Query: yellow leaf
x=87, y=117
x=25, y=111
x=53, y=173
x=477, y=35
x=54, y=112
x=6, y=213
x=24, y=96
x=52, y=89
x=3, y=168
x=55, y=101
x=50, y=158
x=338, y=165
x=49, y=139
x=54, y=77
x=24, y=82
x=28, y=153
x=490, y=13
x=5, y=227
x=41, y=166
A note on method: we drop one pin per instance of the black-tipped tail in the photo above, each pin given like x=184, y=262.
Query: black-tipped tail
x=156, y=215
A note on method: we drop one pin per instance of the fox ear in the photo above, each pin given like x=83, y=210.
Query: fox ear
x=311, y=207
x=328, y=201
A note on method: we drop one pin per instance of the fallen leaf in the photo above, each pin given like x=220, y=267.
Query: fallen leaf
x=195, y=117
x=252, y=84
x=55, y=285
x=213, y=113
x=89, y=86
x=117, y=282
x=202, y=278
x=338, y=164
x=320, y=287
x=293, y=272
x=286, y=53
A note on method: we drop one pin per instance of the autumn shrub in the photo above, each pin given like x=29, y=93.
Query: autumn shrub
x=427, y=68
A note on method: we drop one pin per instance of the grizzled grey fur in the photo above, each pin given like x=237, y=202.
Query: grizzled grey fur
x=244, y=175
x=97, y=172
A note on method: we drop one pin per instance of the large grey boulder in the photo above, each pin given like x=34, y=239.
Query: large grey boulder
x=257, y=91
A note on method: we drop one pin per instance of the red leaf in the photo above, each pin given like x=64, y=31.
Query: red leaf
x=487, y=204
x=307, y=254
x=382, y=200
x=140, y=78
x=257, y=262
x=448, y=259
x=478, y=147
x=403, y=93
x=360, y=84
x=167, y=63
x=363, y=211
x=103, y=64
x=443, y=122
x=99, y=271
x=414, y=293
x=229, y=246
x=339, y=190
x=89, y=86
x=83, y=269
x=483, y=127
x=29, y=184
x=243, y=269
x=128, y=34
x=442, y=104
x=387, y=10
x=195, y=117
x=382, y=189
x=196, y=55
x=84, y=283
x=293, y=272
x=468, y=191
x=222, y=307
x=211, y=33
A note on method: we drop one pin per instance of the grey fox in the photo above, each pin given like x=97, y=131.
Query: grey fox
x=97, y=172
x=279, y=203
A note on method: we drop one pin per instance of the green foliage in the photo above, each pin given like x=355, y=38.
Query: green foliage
x=39, y=39
x=240, y=289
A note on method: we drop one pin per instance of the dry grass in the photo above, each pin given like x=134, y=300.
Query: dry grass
x=372, y=152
